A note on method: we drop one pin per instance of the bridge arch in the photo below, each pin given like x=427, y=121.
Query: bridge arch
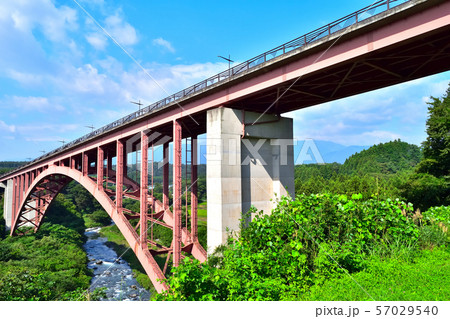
x=47, y=186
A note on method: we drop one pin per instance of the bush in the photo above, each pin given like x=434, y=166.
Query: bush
x=47, y=265
x=425, y=191
x=302, y=243
x=100, y=218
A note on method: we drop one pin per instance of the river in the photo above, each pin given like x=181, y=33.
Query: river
x=110, y=271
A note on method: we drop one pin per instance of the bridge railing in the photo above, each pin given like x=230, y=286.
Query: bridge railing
x=338, y=25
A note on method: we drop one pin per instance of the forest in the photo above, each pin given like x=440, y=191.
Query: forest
x=351, y=233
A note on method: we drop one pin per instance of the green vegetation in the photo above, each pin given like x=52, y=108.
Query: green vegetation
x=379, y=170
x=50, y=264
x=5, y=167
x=430, y=183
x=312, y=243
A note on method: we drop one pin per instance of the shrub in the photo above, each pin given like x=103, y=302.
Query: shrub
x=302, y=243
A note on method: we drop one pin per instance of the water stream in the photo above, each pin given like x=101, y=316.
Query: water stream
x=110, y=271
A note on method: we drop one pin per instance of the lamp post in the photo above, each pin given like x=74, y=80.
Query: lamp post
x=229, y=62
x=137, y=103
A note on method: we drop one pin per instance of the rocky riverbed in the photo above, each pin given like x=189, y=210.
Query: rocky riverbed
x=111, y=271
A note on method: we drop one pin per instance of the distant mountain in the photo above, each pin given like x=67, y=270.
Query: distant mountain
x=329, y=151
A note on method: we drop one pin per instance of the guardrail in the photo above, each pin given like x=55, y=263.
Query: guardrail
x=338, y=25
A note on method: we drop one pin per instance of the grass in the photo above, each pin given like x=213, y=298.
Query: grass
x=426, y=278
x=201, y=213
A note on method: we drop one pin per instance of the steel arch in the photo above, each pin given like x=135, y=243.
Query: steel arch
x=58, y=176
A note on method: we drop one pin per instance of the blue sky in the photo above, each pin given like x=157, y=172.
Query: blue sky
x=59, y=72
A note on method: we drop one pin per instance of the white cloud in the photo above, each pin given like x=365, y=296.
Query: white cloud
x=121, y=31
x=35, y=104
x=59, y=128
x=98, y=41
x=85, y=79
x=7, y=128
x=27, y=15
x=24, y=77
x=164, y=43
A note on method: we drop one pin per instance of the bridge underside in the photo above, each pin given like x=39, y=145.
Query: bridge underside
x=398, y=63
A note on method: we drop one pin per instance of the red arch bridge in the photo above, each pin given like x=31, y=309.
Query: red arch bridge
x=250, y=154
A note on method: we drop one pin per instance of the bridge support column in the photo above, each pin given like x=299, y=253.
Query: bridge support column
x=166, y=175
x=119, y=176
x=144, y=191
x=177, y=136
x=8, y=203
x=246, y=165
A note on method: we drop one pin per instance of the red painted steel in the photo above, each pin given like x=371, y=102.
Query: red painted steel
x=144, y=191
x=194, y=197
x=177, y=135
x=21, y=189
x=39, y=192
x=119, y=176
x=84, y=164
x=14, y=199
x=27, y=180
x=166, y=175
x=100, y=158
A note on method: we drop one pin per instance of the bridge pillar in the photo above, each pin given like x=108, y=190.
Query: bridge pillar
x=8, y=203
x=247, y=164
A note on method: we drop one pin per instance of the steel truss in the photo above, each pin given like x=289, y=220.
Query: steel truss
x=34, y=191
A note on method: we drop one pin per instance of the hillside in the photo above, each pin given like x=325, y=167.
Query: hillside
x=8, y=166
x=384, y=158
x=377, y=170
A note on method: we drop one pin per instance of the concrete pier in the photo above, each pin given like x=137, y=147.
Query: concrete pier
x=250, y=161
x=7, y=202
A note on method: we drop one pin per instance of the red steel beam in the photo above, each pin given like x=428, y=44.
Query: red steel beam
x=194, y=197
x=84, y=164
x=27, y=181
x=14, y=200
x=108, y=165
x=144, y=191
x=21, y=190
x=177, y=136
x=100, y=158
x=119, y=176
x=166, y=176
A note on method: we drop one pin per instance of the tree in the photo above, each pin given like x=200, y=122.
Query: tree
x=436, y=148
x=430, y=185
